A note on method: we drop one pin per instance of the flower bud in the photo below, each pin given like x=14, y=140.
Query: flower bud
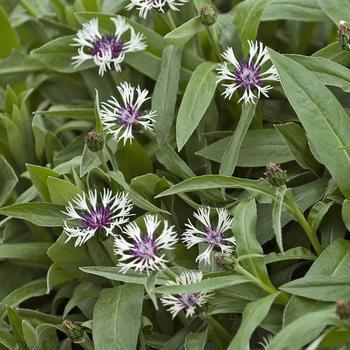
x=344, y=35
x=94, y=141
x=275, y=175
x=224, y=260
x=74, y=331
x=208, y=14
x=343, y=309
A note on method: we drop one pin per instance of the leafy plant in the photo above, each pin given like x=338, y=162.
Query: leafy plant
x=174, y=174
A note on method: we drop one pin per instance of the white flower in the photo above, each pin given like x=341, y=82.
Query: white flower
x=119, y=118
x=248, y=76
x=212, y=236
x=112, y=211
x=188, y=302
x=144, y=251
x=266, y=341
x=143, y=6
x=106, y=50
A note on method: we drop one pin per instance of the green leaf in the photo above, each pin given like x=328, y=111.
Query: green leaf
x=291, y=254
x=320, y=287
x=30, y=290
x=207, y=284
x=276, y=216
x=335, y=53
x=295, y=138
x=321, y=114
x=198, y=95
x=196, y=341
x=253, y=314
x=8, y=179
x=165, y=92
x=302, y=331
x=62, y=191
x=230, y=157
x=41, y=214
x=29, y=334
x=259, y=147
x=330, y=73
x=185, y=32
x=34, y=252
x=295, y=10
x=345, y=213
x=9, y=39
x=243, y=228
x=39, y=176
x=117, y=318
x=336, y=10
x=247, y=16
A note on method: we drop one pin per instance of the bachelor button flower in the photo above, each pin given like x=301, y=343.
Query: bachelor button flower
x=248, y=76
x=212, y=236
x=95, y=217
x=162, y=6
x=266, y=341
x=188, y=302
x=141, y=251
x=119, y=119
x=107, y=51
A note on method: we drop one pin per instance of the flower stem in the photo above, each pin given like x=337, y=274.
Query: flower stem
x=270, y=289
x=87, y=343
x=170, y=20
x=213, y=39
x=167, y=272
x=299, y=216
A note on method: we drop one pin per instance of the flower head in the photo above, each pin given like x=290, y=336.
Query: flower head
x=275, y=175
x=210, y=235
x=344, y=35
x=266, y=341
x=248, y=76
x=119, y=118
x=144, y=251
x=112, y=211
x=188, y=302
x=144, y=6
x=106, y=50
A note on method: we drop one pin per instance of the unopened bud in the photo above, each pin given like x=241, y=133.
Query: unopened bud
x=344, y=35
x=94, y=141
x=208, y=14
x=224, y=260
x=74, y=330
x=343, y=309
x=275, y=175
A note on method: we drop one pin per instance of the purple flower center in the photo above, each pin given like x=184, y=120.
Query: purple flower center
x=145, y=248
x=97, y=218
x=127, y=115
x=107, y=43
x=213, y=237
x=247, y=75
x=188, y=299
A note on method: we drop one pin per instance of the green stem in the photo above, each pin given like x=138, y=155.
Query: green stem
x=87, y=343
x=267, y=288
x=172, y=275
x=171, y=22
x=103, y=161
x=216, y=325
x=305, y=225
x=213, y=39
x=112, y=159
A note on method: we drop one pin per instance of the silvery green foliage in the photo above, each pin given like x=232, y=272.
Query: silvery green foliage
x=169, y=184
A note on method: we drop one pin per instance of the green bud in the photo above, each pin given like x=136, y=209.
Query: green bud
x=94, y=141
x=275, y=175
x=224, y=260
x=344, y=35
x=208, y=14
x=74, y=331
x=343, y=309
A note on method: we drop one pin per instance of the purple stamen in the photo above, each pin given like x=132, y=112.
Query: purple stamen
x=188, y=299
x=127, y=115
x=107, y=43
x=97, y=218
x=247, y=75
x=145, y=248
x=213, y=237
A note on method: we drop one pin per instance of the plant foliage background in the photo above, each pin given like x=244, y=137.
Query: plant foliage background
x=280, y=286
